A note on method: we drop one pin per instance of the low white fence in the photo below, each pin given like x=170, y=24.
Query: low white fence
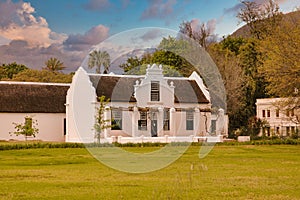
x=164, y=139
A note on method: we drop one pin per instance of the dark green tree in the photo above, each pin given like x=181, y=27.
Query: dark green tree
x=170, y=54
x=7, y=71
x=33, y=75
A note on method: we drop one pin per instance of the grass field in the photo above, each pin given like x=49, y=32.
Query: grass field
x=228, y=172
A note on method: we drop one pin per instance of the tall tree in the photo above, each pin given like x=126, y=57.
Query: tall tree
x=281, y=64
x=202, y=34
x=261, y=19
x=224, y=55
x=238, y=60
x=54, y=65
x=98, y=59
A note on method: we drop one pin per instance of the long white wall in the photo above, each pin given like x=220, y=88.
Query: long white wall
x=50, y=125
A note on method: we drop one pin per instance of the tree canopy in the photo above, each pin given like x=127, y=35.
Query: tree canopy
x=168, y=54
x=54, y=65
x=7, y=71
x=32, y=75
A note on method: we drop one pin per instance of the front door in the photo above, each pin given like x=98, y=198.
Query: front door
x=153, y=128
x=154, y=124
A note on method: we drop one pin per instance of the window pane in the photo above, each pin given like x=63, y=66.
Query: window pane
x=166, y=125
x=166, y=114
x=116, y=119
x=142, y=125
x=143, y=115
x=189, y=120
x=166, y=119
x=189, y=125
x=190, y=115
x=116, y=124
x=116, y=114
x=154, y=91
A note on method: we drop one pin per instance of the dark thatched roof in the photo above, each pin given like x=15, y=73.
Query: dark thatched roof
x=32, y=97
x=121, y=88
x=118, y=89
x=188, y=91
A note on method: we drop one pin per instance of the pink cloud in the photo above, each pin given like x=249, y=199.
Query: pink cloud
x=93, y=36
x=97, y=5
x=159, y=9
x=27, y=39
x=17, y=22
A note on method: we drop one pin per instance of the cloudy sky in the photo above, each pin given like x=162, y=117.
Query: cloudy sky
x=32, y=31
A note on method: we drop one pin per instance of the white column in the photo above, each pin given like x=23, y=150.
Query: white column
x=107, y=121
x=220, y=124
x=134, y=122
x=196, y=121
x=172, y=121
x=160, y=120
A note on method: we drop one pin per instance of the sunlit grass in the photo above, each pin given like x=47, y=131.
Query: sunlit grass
x=228, y=172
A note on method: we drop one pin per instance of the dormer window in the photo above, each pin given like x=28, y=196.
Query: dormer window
x=154, y=90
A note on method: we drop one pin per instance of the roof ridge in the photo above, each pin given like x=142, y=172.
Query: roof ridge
x=33, y=83
x=117, y=75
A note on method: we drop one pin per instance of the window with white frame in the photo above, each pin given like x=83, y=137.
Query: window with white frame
x=189, y=120
x=142, y=122
x=155, y=91
x=116, y=119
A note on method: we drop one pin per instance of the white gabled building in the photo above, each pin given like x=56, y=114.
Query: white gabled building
x=280, y=121
x=44, y=102
x=141, y=108
x=144, y=108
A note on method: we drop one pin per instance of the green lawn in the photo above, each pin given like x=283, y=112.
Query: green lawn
x=228, y=172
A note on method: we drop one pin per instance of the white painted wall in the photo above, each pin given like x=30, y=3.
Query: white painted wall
x=50, y=125
x=80, y=109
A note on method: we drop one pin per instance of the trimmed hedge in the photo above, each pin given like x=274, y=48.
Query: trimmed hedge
x=36, y=145
x=16, y=146
x=277, y=141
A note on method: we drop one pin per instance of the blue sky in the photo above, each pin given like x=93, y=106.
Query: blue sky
x=67, y=29
x=77, y=16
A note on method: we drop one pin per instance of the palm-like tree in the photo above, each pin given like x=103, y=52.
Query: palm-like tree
x=99, y=58
x=53, y=64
